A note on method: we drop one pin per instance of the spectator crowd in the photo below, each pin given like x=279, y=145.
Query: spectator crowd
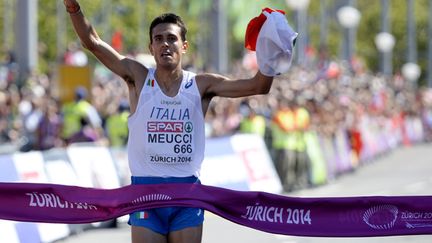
x=328, y=113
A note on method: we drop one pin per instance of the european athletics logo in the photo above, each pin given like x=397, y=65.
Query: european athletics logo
x=381, y=217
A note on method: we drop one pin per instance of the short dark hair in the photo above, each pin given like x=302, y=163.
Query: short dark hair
x=171, y=19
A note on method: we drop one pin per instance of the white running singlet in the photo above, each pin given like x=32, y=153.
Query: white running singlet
x=166, y=134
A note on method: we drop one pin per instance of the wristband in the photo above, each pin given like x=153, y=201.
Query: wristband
x=73, y=9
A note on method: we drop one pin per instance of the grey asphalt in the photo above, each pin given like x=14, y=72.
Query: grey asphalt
x=405, y=171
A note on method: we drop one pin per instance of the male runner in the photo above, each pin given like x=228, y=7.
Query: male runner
x=166, y=126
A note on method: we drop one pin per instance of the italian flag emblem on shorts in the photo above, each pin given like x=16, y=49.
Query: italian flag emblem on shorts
x=142, y=215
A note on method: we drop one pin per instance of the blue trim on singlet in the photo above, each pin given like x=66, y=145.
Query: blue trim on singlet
x=140, y=180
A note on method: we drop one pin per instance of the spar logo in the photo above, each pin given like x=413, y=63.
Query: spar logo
x=381, y=216
x=188, y=127
x=165, y=127
x=169, y=127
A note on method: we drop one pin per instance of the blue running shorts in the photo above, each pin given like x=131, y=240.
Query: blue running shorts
x=168, y=219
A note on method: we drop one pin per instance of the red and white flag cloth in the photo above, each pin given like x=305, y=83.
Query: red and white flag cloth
x=273, y=39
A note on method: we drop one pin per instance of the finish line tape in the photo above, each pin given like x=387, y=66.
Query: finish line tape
x=319, y=217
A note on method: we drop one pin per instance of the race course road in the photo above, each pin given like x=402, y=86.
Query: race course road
x=406, y=171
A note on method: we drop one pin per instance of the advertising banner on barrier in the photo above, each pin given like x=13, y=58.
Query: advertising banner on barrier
x=8, y=172
x=30, y=167
x=51, y=166
x=8, y=232
x=239, y=162
x=52, y=232
x=120, y=159
x=261, y=173
x=94, y=166
x=58, y=167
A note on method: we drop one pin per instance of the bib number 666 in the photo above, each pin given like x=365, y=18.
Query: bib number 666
x=183, y=148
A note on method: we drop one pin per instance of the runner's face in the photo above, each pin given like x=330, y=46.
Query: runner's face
x=167, y=46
